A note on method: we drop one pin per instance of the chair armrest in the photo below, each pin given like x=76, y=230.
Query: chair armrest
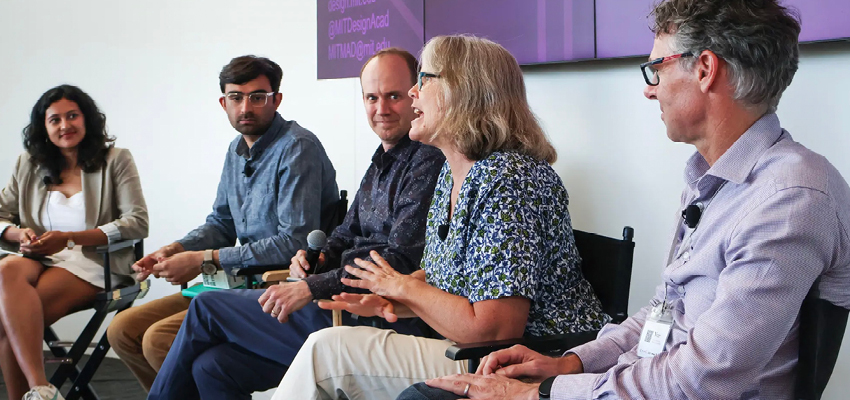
x=276, y=276
x=476, y=350
x=133, y=292
x=545, y=344
x=259, y=270
x=122, y=244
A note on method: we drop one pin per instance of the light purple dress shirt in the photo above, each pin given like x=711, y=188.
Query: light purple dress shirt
x=776, y=218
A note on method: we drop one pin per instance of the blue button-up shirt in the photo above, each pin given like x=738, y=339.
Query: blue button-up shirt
x=776, y=217
x=269, y=198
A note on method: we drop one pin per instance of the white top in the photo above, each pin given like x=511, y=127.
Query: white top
x=68, y=214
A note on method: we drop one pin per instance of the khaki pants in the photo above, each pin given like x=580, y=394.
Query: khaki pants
x=142, y=335
x=363, y=363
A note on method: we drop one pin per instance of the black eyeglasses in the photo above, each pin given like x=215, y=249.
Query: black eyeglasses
x=651, y=77
x=425, y=75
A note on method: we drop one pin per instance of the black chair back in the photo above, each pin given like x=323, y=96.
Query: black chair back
x=822, y=327
x=607, y=264
x=69, y=354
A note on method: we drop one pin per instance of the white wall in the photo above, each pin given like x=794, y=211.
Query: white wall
x=153, y=67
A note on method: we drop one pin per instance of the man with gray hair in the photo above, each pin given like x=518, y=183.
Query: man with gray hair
x=767, y=217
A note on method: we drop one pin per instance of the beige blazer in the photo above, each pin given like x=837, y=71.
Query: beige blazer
x=112, y=195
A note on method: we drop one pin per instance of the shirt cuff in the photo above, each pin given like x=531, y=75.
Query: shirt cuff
x=597, y=355
x=111, y=231
x=189, y=244
x=322, y=285
x=228, y=258
x=574, y=387
x=3, y=227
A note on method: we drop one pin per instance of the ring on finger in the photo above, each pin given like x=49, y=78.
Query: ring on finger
x=466, y=390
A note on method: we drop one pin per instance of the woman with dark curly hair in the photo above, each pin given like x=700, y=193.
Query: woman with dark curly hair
x=71, y=191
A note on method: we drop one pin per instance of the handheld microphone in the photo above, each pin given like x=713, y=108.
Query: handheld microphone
x=316, y=240
x=248, y=170
x=443, y=231
x=691, y=214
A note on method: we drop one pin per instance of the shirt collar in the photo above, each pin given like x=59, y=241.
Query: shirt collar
x=382, y=158
x=740, y=159
x=265, y=140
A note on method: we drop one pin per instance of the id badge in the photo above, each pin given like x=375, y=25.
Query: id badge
x=655, y=331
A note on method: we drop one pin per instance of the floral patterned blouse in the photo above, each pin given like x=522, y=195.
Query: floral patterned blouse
x=510, y=235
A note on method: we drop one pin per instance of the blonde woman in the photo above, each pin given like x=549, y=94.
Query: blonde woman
x=500, y=259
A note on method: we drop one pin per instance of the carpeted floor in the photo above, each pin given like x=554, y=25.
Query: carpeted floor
x=112, y=381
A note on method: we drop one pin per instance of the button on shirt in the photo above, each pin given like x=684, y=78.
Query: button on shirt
x=387, y=215
x=776, y=218
x=269, y=198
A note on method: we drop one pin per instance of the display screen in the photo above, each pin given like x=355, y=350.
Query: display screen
x=822, y=19
x=622, y=27
x=351, y=31
x=534, y=31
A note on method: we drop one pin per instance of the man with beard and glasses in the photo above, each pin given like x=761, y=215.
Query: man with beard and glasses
x=277, y=185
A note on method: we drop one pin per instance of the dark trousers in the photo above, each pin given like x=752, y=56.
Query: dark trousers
x=421, y=391
x=228, y=347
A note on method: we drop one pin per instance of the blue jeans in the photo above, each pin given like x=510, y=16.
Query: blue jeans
x=228, y=347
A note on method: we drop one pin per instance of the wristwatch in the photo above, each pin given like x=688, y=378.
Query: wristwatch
x=70, y=245
x=208, y=266
x=545, y=389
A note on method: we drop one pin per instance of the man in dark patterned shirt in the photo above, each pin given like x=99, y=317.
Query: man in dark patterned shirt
x=228, y=346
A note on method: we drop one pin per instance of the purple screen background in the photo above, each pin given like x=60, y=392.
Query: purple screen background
x=822, y=19
x=622, y=27
x=342, y=49
x=534, y=31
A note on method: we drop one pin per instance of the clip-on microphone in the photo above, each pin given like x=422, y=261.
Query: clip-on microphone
x=443, y=231
x=248, y=170
x=691, y=214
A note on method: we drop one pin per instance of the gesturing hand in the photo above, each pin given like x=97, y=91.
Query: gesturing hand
x=179, y=268
x=25, y=236
x=491, y=387
x=521, y=362
x=364, y=305
x=145, y=266
x=299, y=265
x=377, y=276
x=50, y=242
x=285, y=298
